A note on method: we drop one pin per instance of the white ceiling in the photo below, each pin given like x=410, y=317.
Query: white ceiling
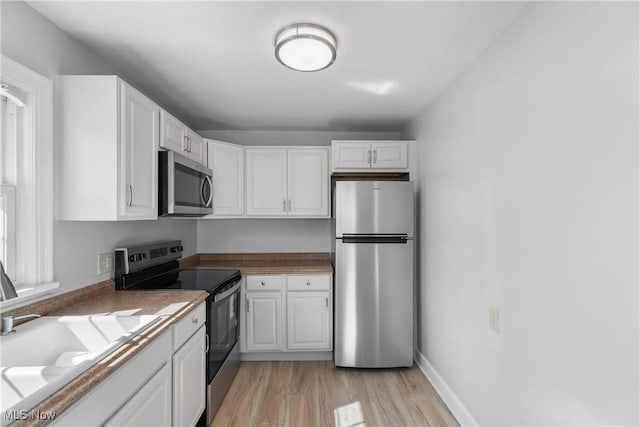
x=212, y=62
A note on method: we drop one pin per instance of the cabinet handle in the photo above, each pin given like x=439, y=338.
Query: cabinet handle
x=248, y=305
x=194, y=320
x=189, y=139
x=308, y=283
x=262, y=282
x=284, y=205
x=185, y=143
x=130, y=194
x=326, y=302
x=289, y=205
x=375, y=156
x=369, y=156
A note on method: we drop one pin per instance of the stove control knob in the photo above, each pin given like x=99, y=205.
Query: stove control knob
x=174, y=249
x=132, y=258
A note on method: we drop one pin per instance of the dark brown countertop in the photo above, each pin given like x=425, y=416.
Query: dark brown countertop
x=265, y=263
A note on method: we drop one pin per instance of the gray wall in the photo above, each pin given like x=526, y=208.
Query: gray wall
x=529, y=203
x=264, y=235
x=274, y=137
x=35, y=42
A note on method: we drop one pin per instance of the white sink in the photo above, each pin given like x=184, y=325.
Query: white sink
x=46, y=353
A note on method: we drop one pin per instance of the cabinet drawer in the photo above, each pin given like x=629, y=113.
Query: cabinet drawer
x=188, y=325
x=308, y=283
x=262, y=283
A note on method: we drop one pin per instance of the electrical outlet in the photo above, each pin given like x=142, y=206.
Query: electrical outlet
x=105, y=263
x=494, y=319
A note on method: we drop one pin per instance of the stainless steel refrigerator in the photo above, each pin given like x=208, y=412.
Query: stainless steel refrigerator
x=374, y=274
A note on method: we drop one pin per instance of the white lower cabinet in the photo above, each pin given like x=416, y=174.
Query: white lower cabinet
x=288, y=313
x=308, y=322
x=189, y=380
x=264, y=321
x=163, y=385
x=150, y=406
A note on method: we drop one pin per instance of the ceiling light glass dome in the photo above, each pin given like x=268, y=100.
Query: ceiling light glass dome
x=305, y=47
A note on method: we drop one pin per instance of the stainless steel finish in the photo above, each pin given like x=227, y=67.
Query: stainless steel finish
x=374, y=305
x=173, y=209
x=7, y=323
x=207, y=202
x=227, y=293
x=375, y=156
x=130, y=194
x=217, y=389
x=374, y=207
x=374, y=274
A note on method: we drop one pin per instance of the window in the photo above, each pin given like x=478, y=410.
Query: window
x=26, y=178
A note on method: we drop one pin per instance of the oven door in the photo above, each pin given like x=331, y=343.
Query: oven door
x=185, y=186
x=223, y=326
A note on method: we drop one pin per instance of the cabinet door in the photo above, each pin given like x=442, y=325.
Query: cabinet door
x=308, y=182
x=309, y=321
x=389, y=155
x=172, y=133
x=264, y=321
x=189, y=380
x=150, y=406
x=266, y=181
x=351, y=155
x=227, y=163
x=195, y=146
x=138, y=150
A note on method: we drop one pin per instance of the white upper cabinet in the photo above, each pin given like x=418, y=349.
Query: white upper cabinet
x=308, y=181
x=371, y=155
x=227, y=163
x=266, y=181
x=177, y=137
x=291, y=182
x=138, y=146
x=108, y=150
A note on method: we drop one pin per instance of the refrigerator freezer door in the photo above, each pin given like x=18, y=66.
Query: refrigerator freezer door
x=374, y=304
x=374, y=207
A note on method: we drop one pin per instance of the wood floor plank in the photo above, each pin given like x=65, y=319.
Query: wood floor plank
x=305, y=394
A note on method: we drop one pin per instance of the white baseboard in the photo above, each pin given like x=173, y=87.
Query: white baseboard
x=455, y=405
x=286, y=355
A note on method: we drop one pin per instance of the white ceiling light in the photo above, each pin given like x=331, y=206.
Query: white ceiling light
x=305, y=47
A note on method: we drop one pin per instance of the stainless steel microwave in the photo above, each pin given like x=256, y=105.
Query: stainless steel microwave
x=184, y=186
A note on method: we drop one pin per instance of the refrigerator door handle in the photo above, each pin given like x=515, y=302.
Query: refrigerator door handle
x=375, y=238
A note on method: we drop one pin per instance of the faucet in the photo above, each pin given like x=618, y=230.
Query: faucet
x=7, y=323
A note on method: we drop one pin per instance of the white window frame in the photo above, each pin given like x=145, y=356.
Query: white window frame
x=34, y=204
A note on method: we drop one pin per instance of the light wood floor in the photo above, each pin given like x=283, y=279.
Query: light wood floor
x=301, y=394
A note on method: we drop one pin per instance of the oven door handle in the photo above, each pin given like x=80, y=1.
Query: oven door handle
x=226, y=294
